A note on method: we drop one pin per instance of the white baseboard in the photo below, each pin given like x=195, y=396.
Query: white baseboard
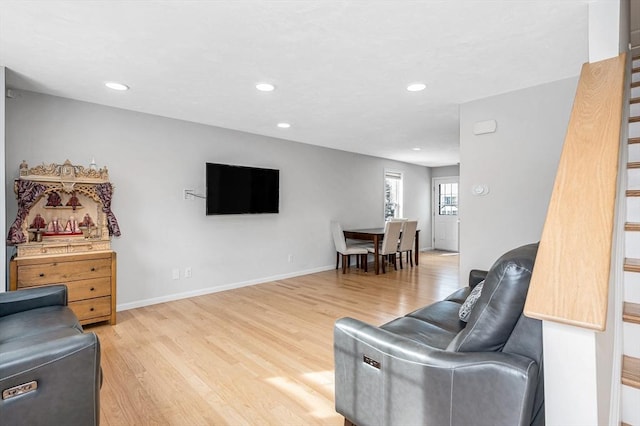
x=209, y=290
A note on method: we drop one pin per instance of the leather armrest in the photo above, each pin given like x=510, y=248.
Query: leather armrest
x=381, y=375
x=13, y=302
x=404, y=349
x=476, y=276
x=67, y=374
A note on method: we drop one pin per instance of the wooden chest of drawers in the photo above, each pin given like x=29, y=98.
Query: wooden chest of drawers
x=90, y=279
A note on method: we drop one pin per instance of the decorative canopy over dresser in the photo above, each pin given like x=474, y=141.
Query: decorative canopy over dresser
x=62, y=234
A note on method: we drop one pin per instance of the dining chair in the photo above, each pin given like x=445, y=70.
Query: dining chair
x=347, y=250
x=407, y=237
x=398, y=219
x=389, y=246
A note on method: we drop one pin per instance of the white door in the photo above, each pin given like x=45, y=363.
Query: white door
x=445, y=213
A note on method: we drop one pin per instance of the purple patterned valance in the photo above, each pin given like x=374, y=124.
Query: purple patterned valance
x=105, y=192
x=29, y=193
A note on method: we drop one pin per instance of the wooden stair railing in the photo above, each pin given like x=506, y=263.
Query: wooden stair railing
x=570, y=281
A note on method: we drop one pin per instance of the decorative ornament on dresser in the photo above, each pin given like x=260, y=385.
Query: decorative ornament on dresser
x=62, y=234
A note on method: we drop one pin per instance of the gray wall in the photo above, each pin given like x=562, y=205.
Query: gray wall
x=518, y=163
x=3, y=256
x=634, y=21
x=152, y=159
x=625, y=25
x=445, y=171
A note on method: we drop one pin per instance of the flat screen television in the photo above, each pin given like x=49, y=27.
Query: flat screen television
x=241, y=190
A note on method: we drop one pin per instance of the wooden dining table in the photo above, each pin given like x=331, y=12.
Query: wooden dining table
x=376, y=235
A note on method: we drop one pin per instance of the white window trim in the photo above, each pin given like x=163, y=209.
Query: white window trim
x=390, y=173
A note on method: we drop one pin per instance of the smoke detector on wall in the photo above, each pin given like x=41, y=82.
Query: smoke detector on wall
x=480, y=189
x=482, y=127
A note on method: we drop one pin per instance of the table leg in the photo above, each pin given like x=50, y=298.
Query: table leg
x=417, y=249
x=376, y=263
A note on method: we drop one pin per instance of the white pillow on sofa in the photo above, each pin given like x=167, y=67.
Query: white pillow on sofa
x=467, y=306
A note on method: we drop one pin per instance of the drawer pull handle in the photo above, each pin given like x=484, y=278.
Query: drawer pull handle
x=91, y=309
x=42, y=275
x=93, y=269
x=92, y=289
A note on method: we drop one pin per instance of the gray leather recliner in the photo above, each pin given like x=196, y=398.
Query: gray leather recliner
x=49, y=369
x=430, y=368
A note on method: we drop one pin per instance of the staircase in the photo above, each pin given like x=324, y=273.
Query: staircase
x=630, y=395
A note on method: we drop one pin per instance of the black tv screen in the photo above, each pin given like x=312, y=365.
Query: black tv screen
x=240, y=190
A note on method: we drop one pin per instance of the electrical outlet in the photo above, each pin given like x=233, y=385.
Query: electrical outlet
x=187, y=272
x=175, y=273
x=188, y=193
x=290, y=258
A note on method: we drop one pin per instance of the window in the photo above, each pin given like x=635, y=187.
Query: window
x=392, y=195
x=448, y=199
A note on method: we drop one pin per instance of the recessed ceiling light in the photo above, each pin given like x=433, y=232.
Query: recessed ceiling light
x=284, y=125
x=265, y=87
x=116, y=86
x=416, y=87
x=417, y=148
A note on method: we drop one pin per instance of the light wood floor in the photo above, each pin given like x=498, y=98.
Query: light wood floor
x=259, y=355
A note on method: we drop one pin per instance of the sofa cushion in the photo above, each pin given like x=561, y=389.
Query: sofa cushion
x=442, y=314
x=434, y=325
x=460, y=295
x=420, y=331
x=501, y=303
x=41, y=321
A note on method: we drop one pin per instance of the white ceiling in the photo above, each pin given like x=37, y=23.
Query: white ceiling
x=340, y=67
